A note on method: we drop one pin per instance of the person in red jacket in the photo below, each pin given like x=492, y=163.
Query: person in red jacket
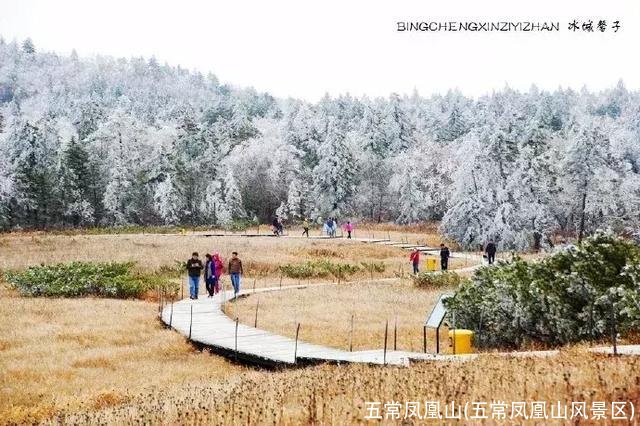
x=414, y=257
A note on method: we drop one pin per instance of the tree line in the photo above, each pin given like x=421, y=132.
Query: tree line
x=105, y=141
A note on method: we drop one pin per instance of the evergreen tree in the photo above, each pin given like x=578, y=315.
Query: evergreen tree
x=292, y=208
x=168, y=202
x=233, y=198
x=335, y=174
x=76, y=184
x=588, y=172
x=28, y=46
x=410, y=198
x=32, y=156
x=398, y=130
x=6, y=193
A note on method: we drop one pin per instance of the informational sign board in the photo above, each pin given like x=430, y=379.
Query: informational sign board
x=438, y=313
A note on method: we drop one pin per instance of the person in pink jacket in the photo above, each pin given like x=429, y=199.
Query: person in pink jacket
x=219, y=267
x=348, y=227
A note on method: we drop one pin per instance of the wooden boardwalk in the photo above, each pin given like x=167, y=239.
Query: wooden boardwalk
x=204, y=322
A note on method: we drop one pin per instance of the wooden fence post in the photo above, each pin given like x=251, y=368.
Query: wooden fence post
x=190, y=321
x=395, y=334
x=295, y=351
x=255, y=322
x=424, y=339
x=236, y=341
x=386, y=329
x=171, y=314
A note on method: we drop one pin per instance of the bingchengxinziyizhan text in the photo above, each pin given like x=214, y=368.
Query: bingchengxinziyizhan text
x=587, y=26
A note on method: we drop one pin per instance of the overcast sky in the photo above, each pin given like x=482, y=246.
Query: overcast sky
x=306, y=48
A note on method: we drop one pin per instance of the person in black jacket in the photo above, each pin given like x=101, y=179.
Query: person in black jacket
x=444, y=257
x=194, y=268
x=209, y=275
x=490, y=251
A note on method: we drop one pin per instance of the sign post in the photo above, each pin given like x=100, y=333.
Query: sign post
x=435, y=319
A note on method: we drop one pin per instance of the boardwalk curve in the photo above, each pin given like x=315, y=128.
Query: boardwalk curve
x=204, y=322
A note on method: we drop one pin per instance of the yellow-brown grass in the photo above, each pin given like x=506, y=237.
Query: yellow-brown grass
x=338, y=394
x=324, y=314
x=261, y=256
x=61, y=355
x=112, y=362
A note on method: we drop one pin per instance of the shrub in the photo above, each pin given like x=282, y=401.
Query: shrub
x=318, y=268
x=79, y=279
x=377, y=267
x=436, y=279
x=581, y=293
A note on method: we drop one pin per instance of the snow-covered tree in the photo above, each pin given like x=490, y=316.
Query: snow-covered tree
x=335, y=175
x=105, y=141
x=233, y=198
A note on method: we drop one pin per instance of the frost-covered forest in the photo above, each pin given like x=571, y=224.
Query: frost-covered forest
x=103, y=141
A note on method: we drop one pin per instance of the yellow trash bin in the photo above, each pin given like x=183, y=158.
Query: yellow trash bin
x=431, y=264
x=460, y=341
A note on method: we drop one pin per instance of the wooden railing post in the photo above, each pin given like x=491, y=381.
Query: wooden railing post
x=395, y=334
x=424, y=339
x=171, y=314
x=255, y=322
x=386, y=329
x=236, y=341
x=295, y=351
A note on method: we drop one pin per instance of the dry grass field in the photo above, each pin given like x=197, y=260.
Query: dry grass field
x=261, y=256
x=324, y=314
x=90, y=360
x=330, y=395
x=65, y=355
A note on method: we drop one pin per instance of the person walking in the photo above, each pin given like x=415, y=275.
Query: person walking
x=328, y=226
x=414, y=257
x=334, y=227
x=490, y=251
x=276, y=226
x=305, y=227
x=219, y=267
x=444, y=257
x=235, y=271
x=209, y=274
x=348, y=227
x=280, y=226
x=194, y=268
